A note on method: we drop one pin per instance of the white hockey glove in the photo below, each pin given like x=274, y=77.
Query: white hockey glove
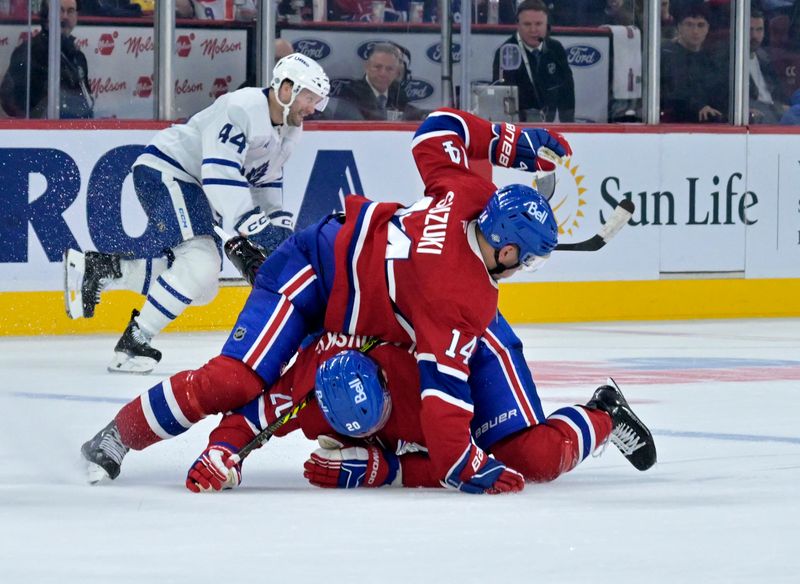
x=268, y=231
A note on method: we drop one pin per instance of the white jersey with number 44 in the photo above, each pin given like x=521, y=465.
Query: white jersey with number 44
x=232, y=150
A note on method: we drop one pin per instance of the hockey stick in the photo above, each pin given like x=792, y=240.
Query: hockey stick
x=263, y=437
x=617, y=221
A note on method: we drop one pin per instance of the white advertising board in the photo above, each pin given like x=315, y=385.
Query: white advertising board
x=706, y=203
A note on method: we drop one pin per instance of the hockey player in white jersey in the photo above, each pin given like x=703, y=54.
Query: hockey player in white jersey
x=224, y=166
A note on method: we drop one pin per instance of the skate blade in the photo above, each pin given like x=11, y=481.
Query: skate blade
x=74, y=268
x=96, y=474
x=124, y=363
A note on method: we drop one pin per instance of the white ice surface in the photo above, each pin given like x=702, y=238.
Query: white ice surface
x=721, y=505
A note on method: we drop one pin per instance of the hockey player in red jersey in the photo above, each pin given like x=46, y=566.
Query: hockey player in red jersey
x=424, y=274
x=367, y=419
x=427, y=274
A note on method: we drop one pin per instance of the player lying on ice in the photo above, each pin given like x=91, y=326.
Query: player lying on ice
x=424, y=275
x=508, y=420
x=366, y=416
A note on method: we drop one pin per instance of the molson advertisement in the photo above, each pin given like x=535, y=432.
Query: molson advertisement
x=208, y=63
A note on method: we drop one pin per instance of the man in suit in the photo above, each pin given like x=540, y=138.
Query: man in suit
x=537, y=65
x=766, y=101
x=378, y=95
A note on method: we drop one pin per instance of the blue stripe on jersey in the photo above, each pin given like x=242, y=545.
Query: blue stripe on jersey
x=508, y=339
x=431, y=378
x=226, y=182
x=173, y=291
x=274, y=185
x=161, y=308
x=351, y=292
x=442, y=121
x=158, y=154
x=148, y=272
x=577, y=419
x=252, y=411
x=162, y=412
x=222, y=162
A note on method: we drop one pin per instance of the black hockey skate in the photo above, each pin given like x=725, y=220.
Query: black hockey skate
x=104, y=454
x=133, y=353
x=85, y=277
x=628, y=433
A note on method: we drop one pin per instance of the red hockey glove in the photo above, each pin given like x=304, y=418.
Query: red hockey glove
x=209, y=471
x=529, y=149
x=351, y=467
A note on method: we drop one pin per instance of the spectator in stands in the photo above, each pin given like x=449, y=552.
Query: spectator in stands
x=693, y=89
x=379, y=95
x=792, y=116
x=775, y=7
x=116, y=8
x=574, y=12
x=506, y=12
x=216, y=9
x=668, y=31
x=613, y=12
x=283, y=48
x=353, y=9
x=537, y=64
x=76, y=97
x=766, y=103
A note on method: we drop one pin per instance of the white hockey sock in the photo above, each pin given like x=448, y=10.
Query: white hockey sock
x=164, y=304
x=139, y=275
x=192, y=278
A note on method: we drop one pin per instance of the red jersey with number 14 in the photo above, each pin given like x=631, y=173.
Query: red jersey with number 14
x=416, y=275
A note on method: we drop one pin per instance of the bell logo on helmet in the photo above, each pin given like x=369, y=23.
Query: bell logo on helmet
x=358, y=389
x=351, y=394
x=540, y=215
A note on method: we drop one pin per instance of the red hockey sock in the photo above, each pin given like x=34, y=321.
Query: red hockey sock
x=545, y=451
x=172, y=406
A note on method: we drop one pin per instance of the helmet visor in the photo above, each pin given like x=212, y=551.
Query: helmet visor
x=310, y=93
x=320, y=107
x=531, y=262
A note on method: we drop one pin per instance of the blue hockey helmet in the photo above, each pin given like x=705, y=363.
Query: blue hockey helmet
x=351, y=394
x=519, y=215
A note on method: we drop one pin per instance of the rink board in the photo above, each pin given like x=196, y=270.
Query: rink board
x=716, y=232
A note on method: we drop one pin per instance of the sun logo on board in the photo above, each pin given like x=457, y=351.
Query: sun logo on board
x=567, y=200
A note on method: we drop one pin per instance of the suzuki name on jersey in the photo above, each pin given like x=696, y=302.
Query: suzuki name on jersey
x=435, y=230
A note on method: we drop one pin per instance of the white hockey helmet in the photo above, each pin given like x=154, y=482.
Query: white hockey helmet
x=304, y=73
